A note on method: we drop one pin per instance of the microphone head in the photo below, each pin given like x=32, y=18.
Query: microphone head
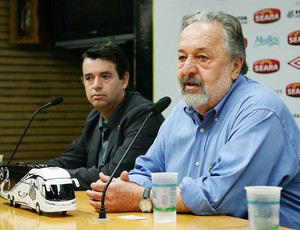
x=161, y=105
x=56, y=101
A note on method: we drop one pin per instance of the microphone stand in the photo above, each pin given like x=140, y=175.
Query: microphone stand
x=102, y=212
x=55, y=101
x=156, y=109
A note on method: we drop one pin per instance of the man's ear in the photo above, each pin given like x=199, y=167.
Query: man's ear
x=125, y=80
x=237, y=66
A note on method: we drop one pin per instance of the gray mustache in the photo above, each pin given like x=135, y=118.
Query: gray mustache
x=191, y=80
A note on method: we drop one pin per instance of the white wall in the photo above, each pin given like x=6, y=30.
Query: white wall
x=167, y=16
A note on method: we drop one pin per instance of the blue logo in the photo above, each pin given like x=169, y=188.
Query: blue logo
x=266, y=41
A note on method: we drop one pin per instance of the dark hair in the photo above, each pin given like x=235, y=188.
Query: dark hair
x=109, y=52
x=233, y=34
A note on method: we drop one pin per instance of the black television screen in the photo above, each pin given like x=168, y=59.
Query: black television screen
x=89, y=19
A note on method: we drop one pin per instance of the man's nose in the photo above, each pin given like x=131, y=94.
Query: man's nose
x=190, y=67
x=97, y=82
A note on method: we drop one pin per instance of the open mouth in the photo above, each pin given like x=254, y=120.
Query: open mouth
x=192, y=84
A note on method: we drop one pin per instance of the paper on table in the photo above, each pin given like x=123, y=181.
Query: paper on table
x=133, y=217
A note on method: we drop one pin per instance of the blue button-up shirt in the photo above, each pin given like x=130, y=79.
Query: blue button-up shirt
x=248, y=138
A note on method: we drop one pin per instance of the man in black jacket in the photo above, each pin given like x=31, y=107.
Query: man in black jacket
x=112, y=125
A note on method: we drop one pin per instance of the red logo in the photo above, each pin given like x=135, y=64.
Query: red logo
x=266, y=66
x=294, y=38
x=293, y=90
x=245, y=42
x=266, y=16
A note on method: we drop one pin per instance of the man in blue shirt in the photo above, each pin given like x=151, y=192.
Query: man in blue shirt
x=228, y=132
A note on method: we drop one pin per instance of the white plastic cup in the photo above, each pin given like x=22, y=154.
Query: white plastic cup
x=164, y=187
x=1, y=159
x=263, y=207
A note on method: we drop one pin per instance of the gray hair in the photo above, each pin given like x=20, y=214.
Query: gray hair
x=233, y=34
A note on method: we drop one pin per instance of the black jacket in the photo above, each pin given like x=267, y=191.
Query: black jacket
x=81, y=158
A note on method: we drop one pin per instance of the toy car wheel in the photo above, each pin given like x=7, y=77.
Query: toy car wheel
x=64, y=213
x=11, y=201
x=38, y=209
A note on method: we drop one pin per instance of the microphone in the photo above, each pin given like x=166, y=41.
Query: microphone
x=156, y=109
x=54, y=101
x=160, y=106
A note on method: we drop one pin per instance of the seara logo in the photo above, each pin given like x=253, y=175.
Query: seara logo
x=294, y=38
x=293, y=89
x=265, y=16
x=245, y=42
x=266, y=66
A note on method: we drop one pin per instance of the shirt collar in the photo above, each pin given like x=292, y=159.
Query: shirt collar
x=114, y=119
x=104, y=128
x=239, y=81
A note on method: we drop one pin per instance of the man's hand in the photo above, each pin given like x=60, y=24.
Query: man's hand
x=121, y=195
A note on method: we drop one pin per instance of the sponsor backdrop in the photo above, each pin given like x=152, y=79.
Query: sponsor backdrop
x=272, y=35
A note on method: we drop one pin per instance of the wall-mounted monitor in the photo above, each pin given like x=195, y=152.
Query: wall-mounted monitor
x=82, y=23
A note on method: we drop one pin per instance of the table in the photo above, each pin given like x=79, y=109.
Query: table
x=26, y=218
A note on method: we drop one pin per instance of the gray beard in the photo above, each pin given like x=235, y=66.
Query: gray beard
x=195, y=100
x=192, y=99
